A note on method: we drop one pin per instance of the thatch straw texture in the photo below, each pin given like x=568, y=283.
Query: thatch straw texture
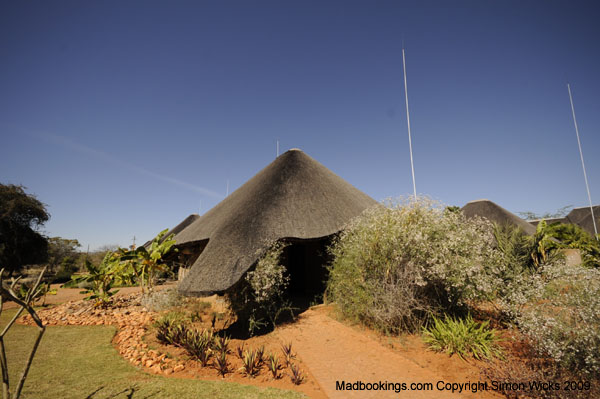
x=179, y=228
x=293, y=197
x=491, y=211
x=583, y=218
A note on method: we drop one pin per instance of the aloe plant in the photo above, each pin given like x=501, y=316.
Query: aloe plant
x=221, y=364
x=250, y=365
x=287, y=353
x=199, y=345
x=274, y=366
x=240, y=351
x=221, y=344
x=296, y=375
x=260, y=355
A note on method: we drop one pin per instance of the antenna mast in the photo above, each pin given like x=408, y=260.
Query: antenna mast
x=412, y=166
x=582, y=163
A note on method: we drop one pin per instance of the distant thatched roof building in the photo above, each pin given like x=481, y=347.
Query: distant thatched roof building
x=583, y=218
x=293, y=197
x=579, y=216
x=491, y=211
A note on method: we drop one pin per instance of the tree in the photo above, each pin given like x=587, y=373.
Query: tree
x=21, y=215
x=561, y=212
x=61, y=251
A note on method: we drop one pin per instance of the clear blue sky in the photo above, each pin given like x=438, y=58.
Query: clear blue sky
x=126, y=116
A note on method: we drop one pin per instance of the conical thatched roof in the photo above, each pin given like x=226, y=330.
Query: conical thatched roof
x=492, y=211
x=184, y=223
x=293, y=197
x=179, y=228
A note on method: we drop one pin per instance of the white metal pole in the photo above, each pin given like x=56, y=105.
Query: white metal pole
x=277, y=148
x=587, y=187
x=412, y=167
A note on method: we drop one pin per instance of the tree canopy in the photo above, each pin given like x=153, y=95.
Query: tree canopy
x=21, y=216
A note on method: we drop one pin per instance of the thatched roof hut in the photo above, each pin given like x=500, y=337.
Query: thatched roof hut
x=583, y=218
x=294, y=197
x=492, y=211
x=184, y=223
x=179, y=228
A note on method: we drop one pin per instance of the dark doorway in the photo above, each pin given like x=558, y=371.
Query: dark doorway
x=306, y=262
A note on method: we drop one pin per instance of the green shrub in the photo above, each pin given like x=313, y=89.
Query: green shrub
x=462, y=337
x=260, y=298
x=573, y=236
x=66, y=269
x=395, y=265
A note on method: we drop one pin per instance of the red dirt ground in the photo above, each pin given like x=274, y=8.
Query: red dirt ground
x=326, y=350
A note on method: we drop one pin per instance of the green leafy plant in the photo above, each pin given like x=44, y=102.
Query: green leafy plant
x=163, y=330
x=287, y=353
x=240, y=351
x=259, y=299
x=573, y=236
x=199, y=345
x=543, y=248
x=144, y=263
x=172, y=331
x=221, y=344
x=40, y=293
x=102, y=279
x=250, y=365
x=221, y=364
x=274, y=366
x=296, y=375
x=260, y=356
x=464, y=337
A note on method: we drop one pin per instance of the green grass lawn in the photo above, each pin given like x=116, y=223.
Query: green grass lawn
x=80, y=362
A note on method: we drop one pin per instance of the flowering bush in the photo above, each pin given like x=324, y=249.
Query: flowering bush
x=268, y=279
x=399, y=263
x=562, y=316
x=259, y=298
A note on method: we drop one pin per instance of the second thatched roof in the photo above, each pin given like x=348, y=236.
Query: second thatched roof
x=495, y=213
x=293, y=197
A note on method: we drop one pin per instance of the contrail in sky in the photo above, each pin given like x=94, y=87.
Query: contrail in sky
x=115, y=161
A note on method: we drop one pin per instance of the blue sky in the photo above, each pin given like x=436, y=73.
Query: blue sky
x=125, y=117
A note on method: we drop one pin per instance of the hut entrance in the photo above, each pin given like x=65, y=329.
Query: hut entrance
x=182, y=260
x=306, y=262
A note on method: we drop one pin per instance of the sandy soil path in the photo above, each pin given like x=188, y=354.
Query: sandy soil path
x=335, y=352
